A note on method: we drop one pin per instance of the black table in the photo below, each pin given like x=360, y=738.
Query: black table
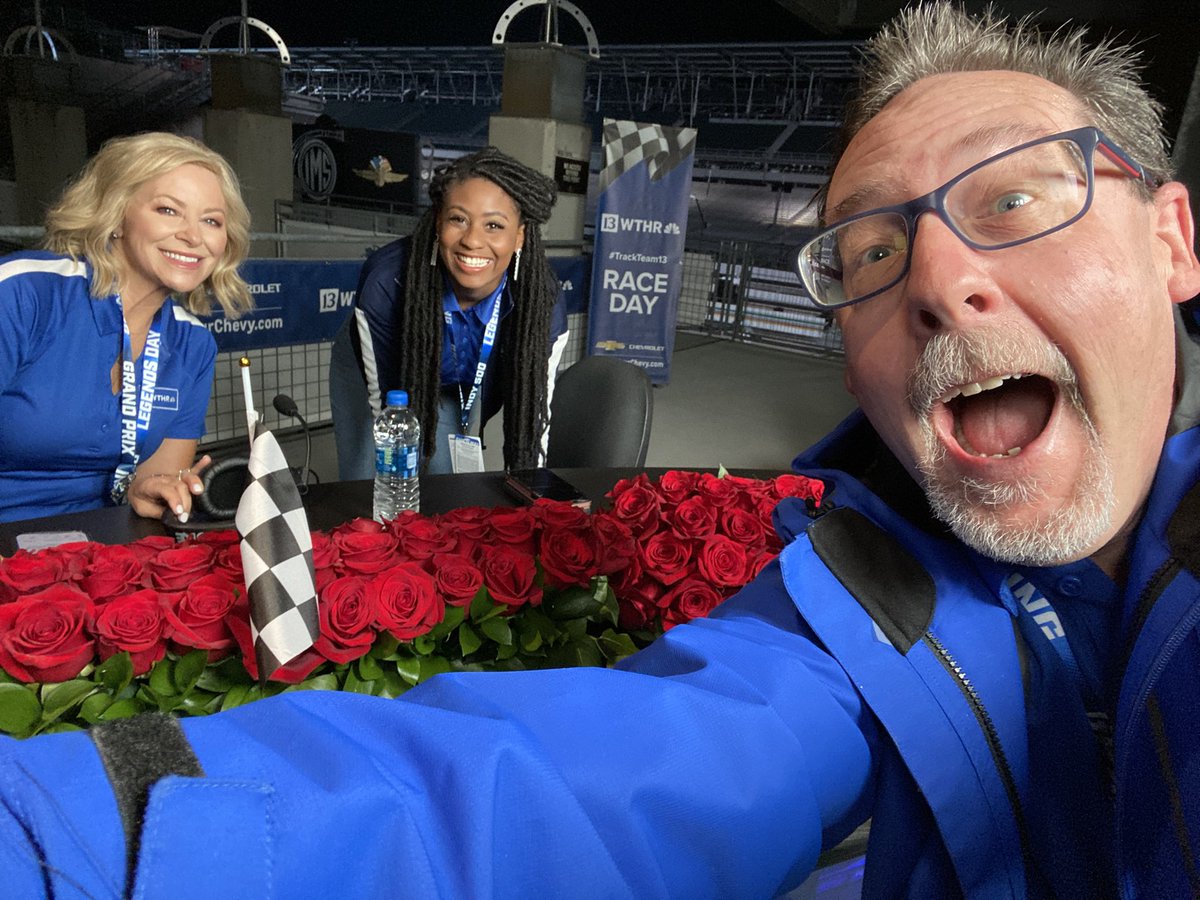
x=333, y=503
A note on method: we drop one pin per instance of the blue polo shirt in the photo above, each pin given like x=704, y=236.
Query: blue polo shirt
x=60, y=422
x=462, y=333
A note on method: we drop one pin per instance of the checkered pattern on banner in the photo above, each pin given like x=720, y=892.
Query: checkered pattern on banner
x=627, y=143
x=277, y=560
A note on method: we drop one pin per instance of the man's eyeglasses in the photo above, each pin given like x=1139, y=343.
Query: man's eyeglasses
x=1020, y=195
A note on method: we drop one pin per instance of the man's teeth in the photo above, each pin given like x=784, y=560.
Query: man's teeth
x=970, y=390
x=978, y=387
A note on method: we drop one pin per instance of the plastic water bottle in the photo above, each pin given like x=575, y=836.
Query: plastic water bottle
x=397, y=459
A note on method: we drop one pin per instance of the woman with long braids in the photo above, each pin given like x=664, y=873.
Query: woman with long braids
x=465, y=315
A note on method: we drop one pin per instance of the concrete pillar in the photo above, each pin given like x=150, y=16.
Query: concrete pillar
x=49, y=135
x=246, y=125
x=541, y=123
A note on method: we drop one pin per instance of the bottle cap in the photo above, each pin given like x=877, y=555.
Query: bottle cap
x=397, y=398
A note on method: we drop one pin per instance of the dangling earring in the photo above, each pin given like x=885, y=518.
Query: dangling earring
x=516, y=263
x=433, y=253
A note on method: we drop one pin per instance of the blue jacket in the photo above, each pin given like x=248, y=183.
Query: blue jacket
x=874, y=671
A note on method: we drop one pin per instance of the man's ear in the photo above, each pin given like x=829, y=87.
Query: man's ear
x=1175, y=227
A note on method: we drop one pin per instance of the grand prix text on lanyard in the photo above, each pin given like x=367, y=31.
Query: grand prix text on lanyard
x=466, y=451
x=137, y=402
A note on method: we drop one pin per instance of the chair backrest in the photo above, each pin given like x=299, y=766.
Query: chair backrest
x=351, y=408
x=600, y=415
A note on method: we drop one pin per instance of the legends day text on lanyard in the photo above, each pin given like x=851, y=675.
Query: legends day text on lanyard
x=485, y=353
x=137, y=402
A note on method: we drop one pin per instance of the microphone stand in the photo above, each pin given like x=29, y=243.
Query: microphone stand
x=286, y=406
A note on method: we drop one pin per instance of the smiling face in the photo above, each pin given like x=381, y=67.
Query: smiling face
x=173, y=234
x=478, y=228
x=1055, y=464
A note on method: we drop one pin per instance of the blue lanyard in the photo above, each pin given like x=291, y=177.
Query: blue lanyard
x=1033, y=603
x=137, y=401
x=485, y=353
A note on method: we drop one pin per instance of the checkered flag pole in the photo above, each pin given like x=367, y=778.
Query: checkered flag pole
x=277, y=560
x=628, y=143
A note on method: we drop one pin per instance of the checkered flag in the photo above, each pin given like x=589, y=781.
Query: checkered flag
x=628, y=143
x=277, y=560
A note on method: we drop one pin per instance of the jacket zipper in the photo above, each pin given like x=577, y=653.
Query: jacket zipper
x=988, y=727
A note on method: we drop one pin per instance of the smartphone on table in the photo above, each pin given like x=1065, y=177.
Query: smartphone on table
x=535, y=484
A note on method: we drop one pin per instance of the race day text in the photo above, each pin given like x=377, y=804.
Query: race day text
x=634, y=292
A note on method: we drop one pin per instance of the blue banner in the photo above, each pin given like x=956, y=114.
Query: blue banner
x=304, y=301
x=641, y=220
x=296, y=301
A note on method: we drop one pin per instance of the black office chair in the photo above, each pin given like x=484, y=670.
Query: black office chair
x=351, y=408
x=600, y=415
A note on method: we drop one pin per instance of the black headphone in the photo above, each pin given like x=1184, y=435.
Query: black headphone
x=223, y=483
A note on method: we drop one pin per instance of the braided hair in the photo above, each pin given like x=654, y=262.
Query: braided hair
x=524, y=339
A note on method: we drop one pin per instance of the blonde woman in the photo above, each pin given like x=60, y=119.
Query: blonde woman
x=105, y=371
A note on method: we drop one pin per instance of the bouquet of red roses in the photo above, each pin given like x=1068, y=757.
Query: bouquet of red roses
x=90, y=632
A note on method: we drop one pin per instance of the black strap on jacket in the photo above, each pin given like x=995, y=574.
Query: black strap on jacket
x=136, y=753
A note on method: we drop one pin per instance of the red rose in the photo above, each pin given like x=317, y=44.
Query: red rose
x=760, y=562
x=569, y=555
x=26, y=573
x=676, y=486
x=404, y=601
x=346, y=619
x=42, y=635
x=292, y=672
x=744, y=528
x=420, y=538
x=219, y=539
x=174, y=569
x=615, y=543
x=147, y=548
x=666, y=557
x=637, y=603
x=458, y=579
x=470, y=523
x=228, y=564
x=366, y=552
x=637, y=505
x=510, y=576
x=690, y=599
x=112, y=571
x=196, y=617
x=558, y=514
x=514, y=527
x=370, y=526
x=325, y=551
x=799, y=486
x=720, y=491
x=74, y=556
x=135, y=623
x=695, y=517
x=723, y=562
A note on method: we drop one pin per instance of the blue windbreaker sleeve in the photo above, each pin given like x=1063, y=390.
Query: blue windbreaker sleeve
x=376, y=332
x=716, y=764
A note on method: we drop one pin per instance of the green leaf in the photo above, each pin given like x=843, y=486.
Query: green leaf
x=423, y=644
x=63, y=697
x=482, y=607
x=115, y=673
x=236, y=696
x=20, y=709
x=409, y=668
x=468, y=640
x=385, y=646
x=92, y=708
x=368, y=668
x=162, y=682
x=531, y=638
x=392, y=685
x=61, y=727
x=498, y=630
x=223, y=676
x=199, y=703
x=572, y=603
x=722, y=472
x=583, y=651
x=326, y=682
x=616, y=646
x=433, y=665
x=188, y=670
x=122, y=709
x=453, y=616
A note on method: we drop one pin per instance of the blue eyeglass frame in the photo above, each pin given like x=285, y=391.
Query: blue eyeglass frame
x=1088, y=139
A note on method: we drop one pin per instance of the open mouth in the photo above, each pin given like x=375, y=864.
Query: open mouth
x=472, y=262
x=998, y=417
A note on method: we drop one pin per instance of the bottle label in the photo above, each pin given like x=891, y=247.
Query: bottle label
x=402, y=462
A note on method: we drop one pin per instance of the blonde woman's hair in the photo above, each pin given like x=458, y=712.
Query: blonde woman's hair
x=94, y=204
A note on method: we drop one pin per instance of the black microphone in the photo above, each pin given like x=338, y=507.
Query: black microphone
x=286, y=406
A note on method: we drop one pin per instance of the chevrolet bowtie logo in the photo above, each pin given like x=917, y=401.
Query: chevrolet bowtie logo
x=380, y=172
x=610, y=345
